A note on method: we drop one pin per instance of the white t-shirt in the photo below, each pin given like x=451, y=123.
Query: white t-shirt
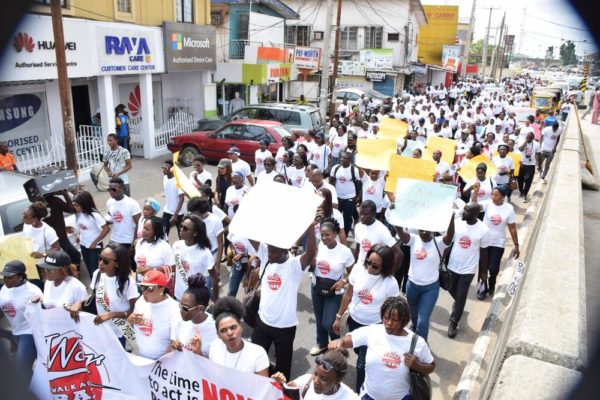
x=214, y=227
x=157, y=329
x=266, y=176
x=153, y=255
x=550, y=138
x=203, y=177
x=279, y=290
x=440, y=169
x=194, y=261
x=320, y=156
x=218, y=212
x=338, y=143
x=259, y=160
x=233, y=197
x=241, y=246
x=496, y=218
x=13, y=302
x=122, y=212
x=505, y=164
x=325, y=185
x=242, y=166
x=373, y=190
x=425, y=259
x=485, y=188
x=386, y=374
x=251, y=359
x=89, y=227
x=366, y=236
x=279, y=157
x=529, y=152
x=369, y=293
x=112, y=298
x=296, y=176
x=172, y=193
x=343, y=392
x=344, y=185
x=43, y=237
x=468, y=240
x=69, y=291
x=335, y=214
x=331, y=263
x=186, y=330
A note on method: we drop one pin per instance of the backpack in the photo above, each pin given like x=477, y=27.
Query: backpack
x=357, y=182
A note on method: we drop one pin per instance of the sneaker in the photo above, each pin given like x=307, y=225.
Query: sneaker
x=316, y=350
x=544, y=181
x=481, y=296
x=491, y=291
x=526, y=199
x=452, y=330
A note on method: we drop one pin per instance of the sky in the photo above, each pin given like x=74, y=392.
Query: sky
x=536, y=24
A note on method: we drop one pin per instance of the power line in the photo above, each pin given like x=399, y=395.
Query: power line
x=556, y=23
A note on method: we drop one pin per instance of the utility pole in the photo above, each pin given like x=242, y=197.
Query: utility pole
x=463, y=72
x=326, y=61
x=497, y=49
x=63, y=85
x=485, y=44
x=336, y=57
x=503, y=54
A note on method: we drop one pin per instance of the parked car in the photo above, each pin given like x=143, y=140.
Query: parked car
x=353, y=96
x=293, y=117
x=244, y=134
x=209, y=124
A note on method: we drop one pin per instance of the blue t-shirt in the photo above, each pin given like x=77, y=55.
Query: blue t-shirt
x=550, y=120
x=122, y=127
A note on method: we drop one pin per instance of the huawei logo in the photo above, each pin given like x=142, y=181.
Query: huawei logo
x=135, y=103
x=23, y=41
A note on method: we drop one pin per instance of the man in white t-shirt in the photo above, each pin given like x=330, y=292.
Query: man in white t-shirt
x=549, y=141
x=369, y=232
x=174, y=197
x=344, y=177
x=117, y=161
x=530, y=153
x=125, y=213
x=237, y=164
x=280, y=275
x=471, y=240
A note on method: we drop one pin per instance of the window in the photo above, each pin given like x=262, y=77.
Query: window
x=243, y=21
x=393, y=37
x=184, y=11
x=231, y=132
x=353, y=97
x=244, y=113
x=288, y=117
x=318, y=35
x=298, y=35
x=63, y=3
x=255, y=133
x=373, y=37
x=348, y=36
x=341, y=95
x=124, y=6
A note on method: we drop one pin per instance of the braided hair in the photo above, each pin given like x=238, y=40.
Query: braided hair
x=198, y=290
x=339, y=361
x=397, y=305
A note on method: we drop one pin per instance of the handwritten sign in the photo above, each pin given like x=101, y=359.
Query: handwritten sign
x=391, y=128
x=19, y=247
x=423, y=205
x=413, y=168
x=375, y=153
x=516, y=157
x=446, y=146
x=468, y=171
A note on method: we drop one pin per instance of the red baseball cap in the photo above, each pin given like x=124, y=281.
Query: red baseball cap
x=154, y=277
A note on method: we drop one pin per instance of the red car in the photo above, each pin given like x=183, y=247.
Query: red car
x=244, y=134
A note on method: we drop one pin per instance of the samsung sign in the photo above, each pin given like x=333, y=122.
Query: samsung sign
x=189, y=47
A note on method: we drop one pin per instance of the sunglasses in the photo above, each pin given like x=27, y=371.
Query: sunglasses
x=148, y=288
x=106, y=260
x=372, y=265
x=326, y=365
x=187, y=309
x=185, y=228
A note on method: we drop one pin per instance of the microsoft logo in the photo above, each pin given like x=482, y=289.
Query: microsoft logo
x=177, y=41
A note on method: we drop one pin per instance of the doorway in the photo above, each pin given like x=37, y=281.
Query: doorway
x=81, y=106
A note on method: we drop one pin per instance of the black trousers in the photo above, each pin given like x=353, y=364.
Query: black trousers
x=283, y=339
x=525, y=178
x=459, y=291
x=166, y=222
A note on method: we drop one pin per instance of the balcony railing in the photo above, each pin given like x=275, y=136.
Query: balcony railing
x=237, y=48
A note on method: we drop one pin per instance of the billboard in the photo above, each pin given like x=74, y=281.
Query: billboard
x=440, y=30
x=189, y=47
x=377, y=58
x=307, y=57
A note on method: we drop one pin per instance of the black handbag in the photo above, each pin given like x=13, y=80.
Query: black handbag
x=251, y=302
x=89, y=305
x=323, y=286
x=445, y=275
x=420, y=385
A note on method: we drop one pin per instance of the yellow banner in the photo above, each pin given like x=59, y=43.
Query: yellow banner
x=19, y=247
x=412, y=168
x=446, y=146
x=391, y=128
x=516, y=157
x=375, y=153
x=468, y=172
x=183, y=181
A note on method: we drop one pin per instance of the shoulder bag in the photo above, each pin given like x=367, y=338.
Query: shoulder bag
x=445, y=275
x=420, y=385
x=323, y=286
x=252, y=300
x=89, y=305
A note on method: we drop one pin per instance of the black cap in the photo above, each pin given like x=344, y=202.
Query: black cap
x=12, y=268
x=56, y=259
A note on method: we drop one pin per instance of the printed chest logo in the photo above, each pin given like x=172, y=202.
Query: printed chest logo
x=118, y=217
x=371, y=190
x=366, y=245
x=106, y=300
x=259, y=161
x=146, y=327
x=464, y=242
x=496, y=219
x=9, y=310
x=391, y=360
x=239, y=247
x=317, y=156
x=82, y=227
x=421, y=254
x=186, y=266
x=365, y=296
x=481, y=193
x=274, y=281
x=342, y=179
x=324, y=267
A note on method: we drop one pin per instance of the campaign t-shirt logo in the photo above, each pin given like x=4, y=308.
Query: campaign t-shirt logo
x=365, y=296
x=342, y=179
x=141, y=261
x=259, y=161
x=82, y=227
x=324, y=267
x=239, y=247
x=366, y=245
x=421, y=254
x=464, y=242
x=117, y=216
x=186, y=266
x=146, y=327
x=106, y=300
x=317, y=156
x=298, y=179
x=391, y=360
x=9, y=310
x=481, y=193
x=274, y=281
x=371, y=190
x=496, y=219
x=336, y=144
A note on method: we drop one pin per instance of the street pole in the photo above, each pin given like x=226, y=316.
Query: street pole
x=336, y=57
x=326, y=61
x=485, y=45
x=63, y=85
x=497, y=49
x=463, y=72
x=503, y=54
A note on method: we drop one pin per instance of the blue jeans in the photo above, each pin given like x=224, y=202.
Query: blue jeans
x=25, y=355
x=90, y=258
x=361, y=361
x=123, y=142
x=237, y=274
x=421, y=301
x=325, y=310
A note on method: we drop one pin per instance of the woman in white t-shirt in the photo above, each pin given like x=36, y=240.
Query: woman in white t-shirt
x=297, y=173
x=14, y=296
x=92, y=229
x=389, y=356
x=116, y=291
x=154, y=252
x=330, y=269
x=150, y=209
x=505, y=167
x=196, y=331
x=326, y=381
x=43, y=235
x=338, y=142
x=372, y=189
x=498, y=216
x=268, y=173
x=369, y=286
x=486, y=186
x=423, y=287
x=235, y=193
x=155, y=316
x=232, y=351
x=260, y=155
x=327, y=211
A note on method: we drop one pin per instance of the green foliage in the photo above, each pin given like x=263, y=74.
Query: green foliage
x=567, y=53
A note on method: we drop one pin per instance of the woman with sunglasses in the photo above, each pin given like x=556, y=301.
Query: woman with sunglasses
x=92, y=229
x=326, y=381
x=369, y=286
x=116, y=291
x=43, y=235
x=153, y=251
x=388, y=359
x=155, y=316
x=327, y=211
x=223, y=181
x=192, y=255
x=232, y=351
x=197, y=329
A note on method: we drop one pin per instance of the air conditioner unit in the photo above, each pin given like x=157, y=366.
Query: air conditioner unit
x=216, y=18
x=318, y=35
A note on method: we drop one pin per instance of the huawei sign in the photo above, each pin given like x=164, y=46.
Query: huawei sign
x=23, y=41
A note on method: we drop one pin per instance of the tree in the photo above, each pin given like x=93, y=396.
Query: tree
x=567, y=53
x=476, y=51
x=550, y=53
